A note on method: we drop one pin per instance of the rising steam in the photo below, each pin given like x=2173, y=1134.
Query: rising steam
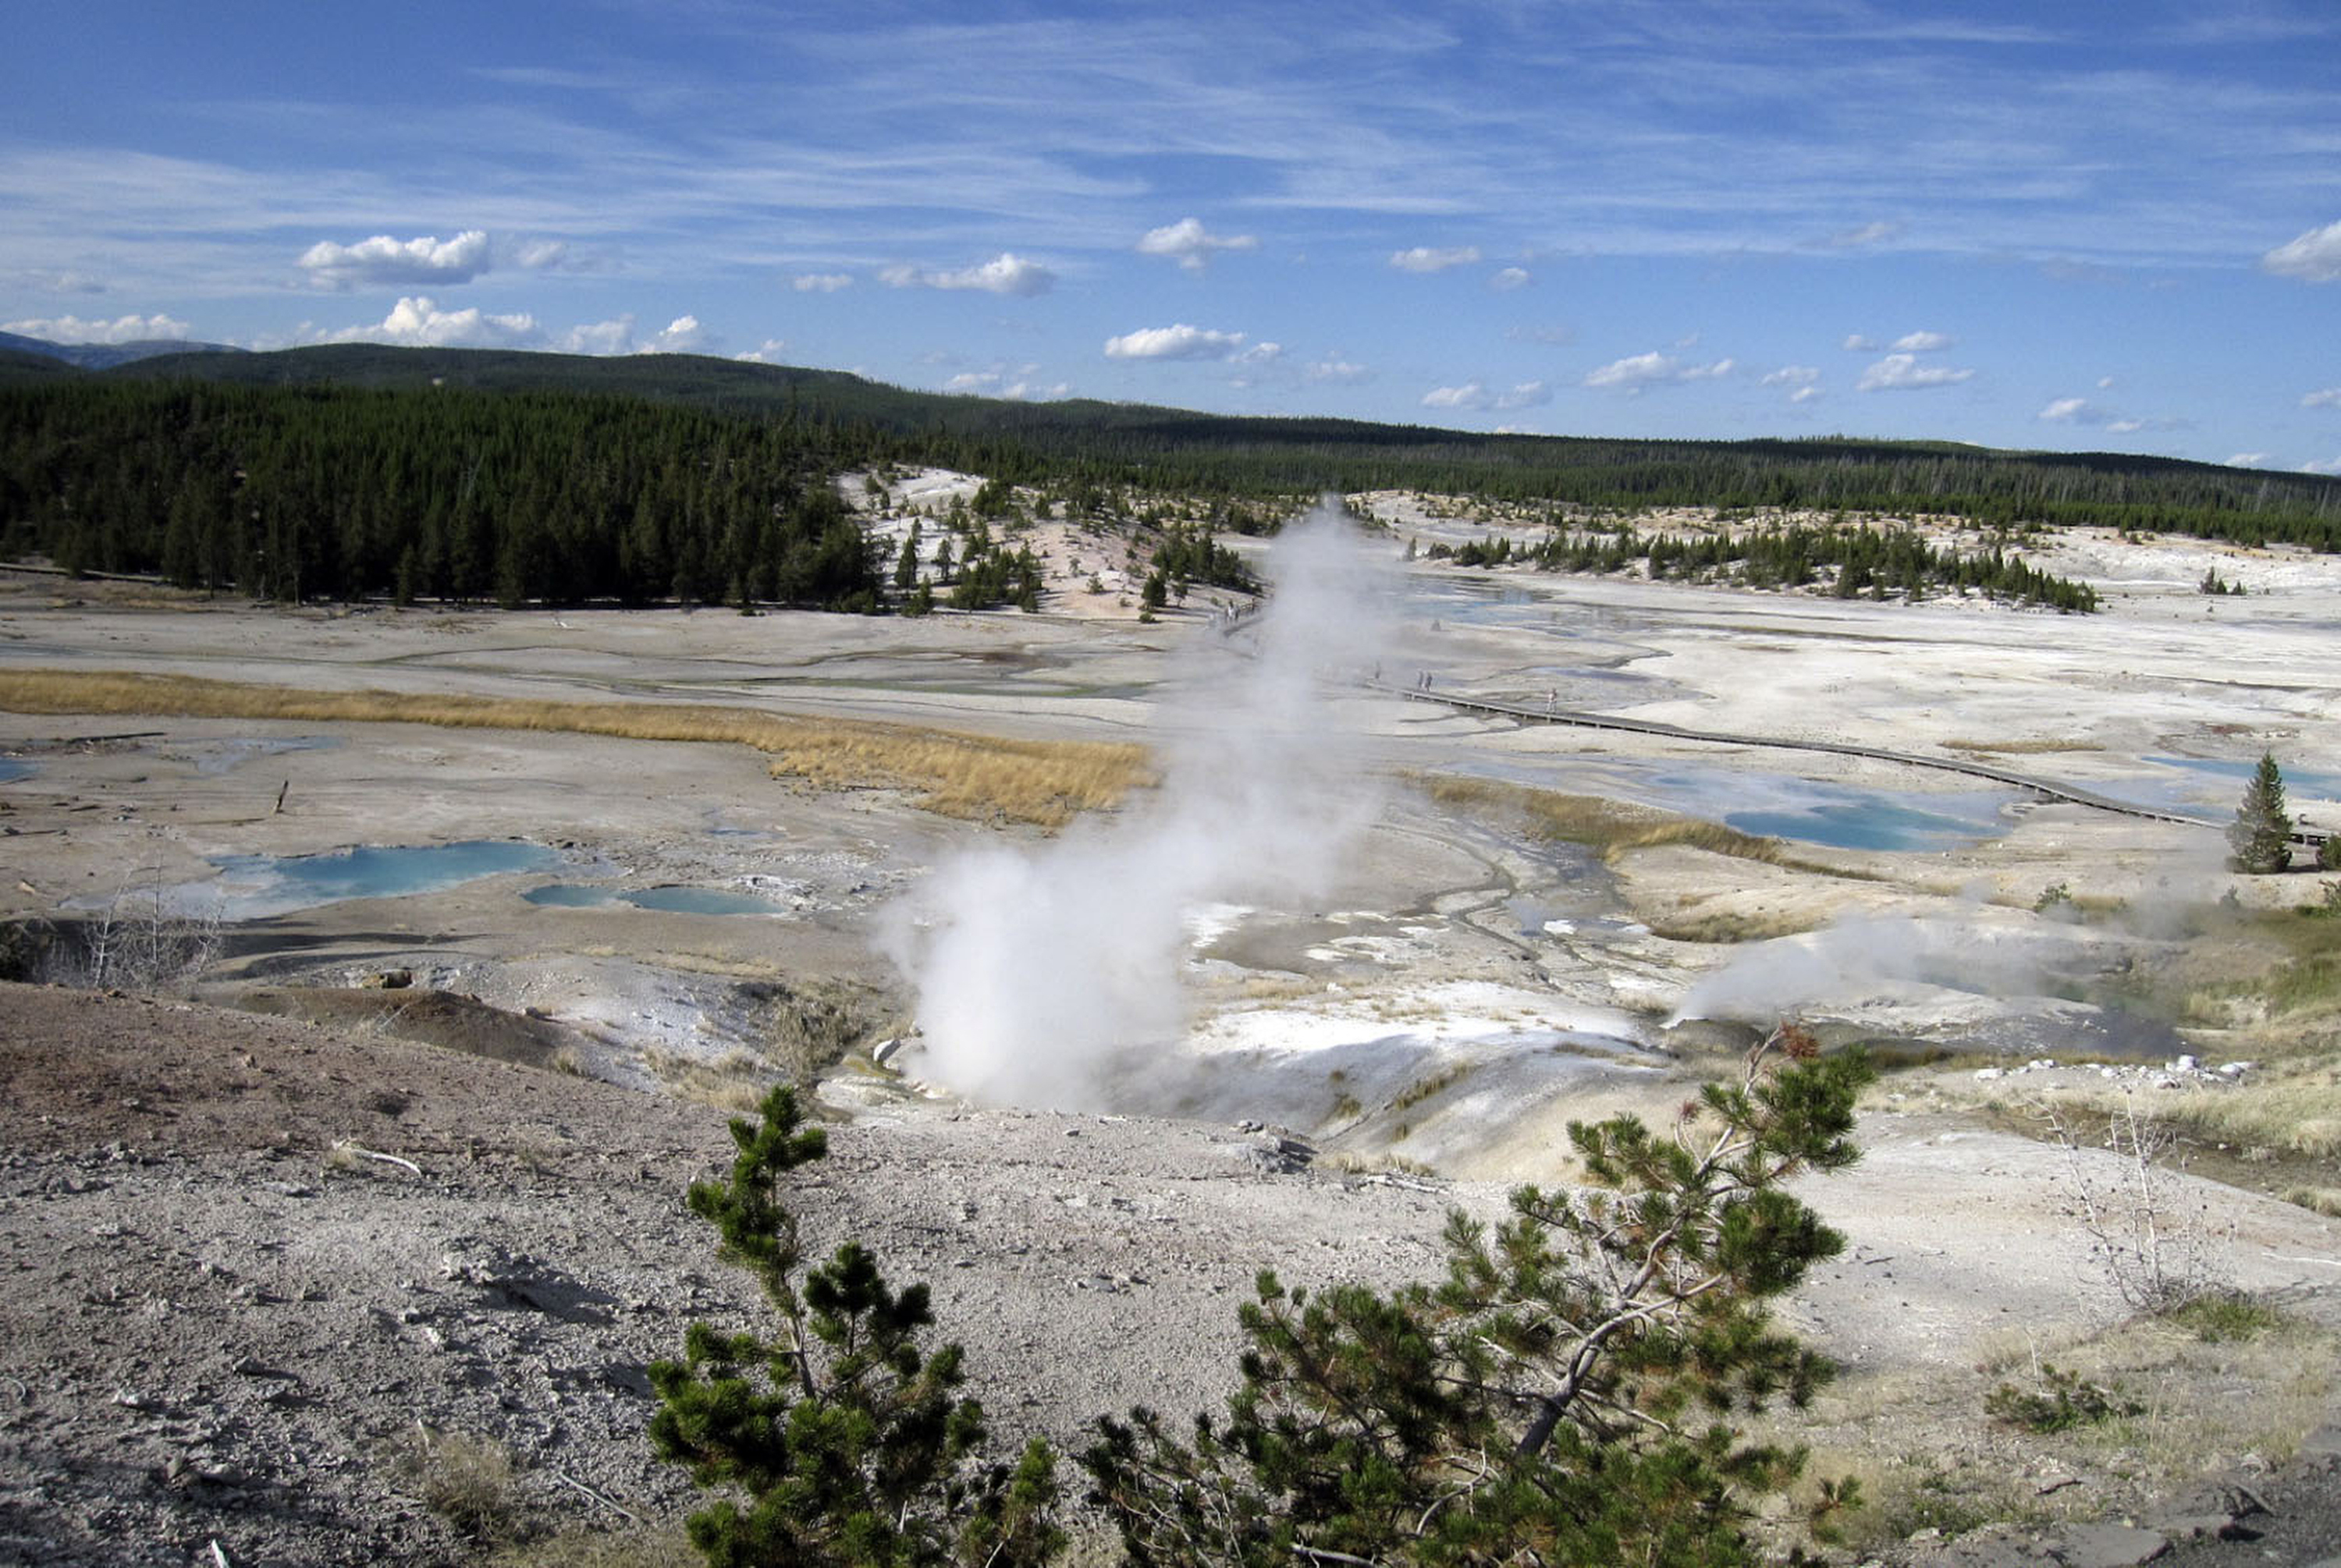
x=1048, y=974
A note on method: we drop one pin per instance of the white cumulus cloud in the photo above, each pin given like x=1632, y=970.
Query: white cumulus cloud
x=1903, y=372
x=2333, y=467
x=1174, y=342
x=416, y=320
x=767, y=353
x=1510, y=278
x=1433, y=259
x=1635, y=372
x=1339, y=369
x=383, y=260
x=820, y=282
x=1477, y=395
x=1803, y=381
x=1191, y=244
x=682, y=335
x=2330, y=397
x=2249, y=459
x=1471, y=394
x=1005, y=273
x=2080, y=410
x=1017, y=386
x=2316, y=256
x=120, y=330
x=1859, y=343
x=1922, y=343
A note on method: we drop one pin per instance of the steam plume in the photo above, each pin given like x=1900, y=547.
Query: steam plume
x=1048, y=974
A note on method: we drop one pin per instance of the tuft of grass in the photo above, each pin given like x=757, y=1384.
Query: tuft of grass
x=2324, y=1200
x=953, y=773
x=666, y=1546
x=736, y=1084
x=467, y=1480
x=2227, y=1317
x=1348, y=1163
x=2021, y=748
x=1423, y=1088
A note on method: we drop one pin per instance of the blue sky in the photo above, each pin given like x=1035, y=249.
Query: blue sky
x=2062, y=224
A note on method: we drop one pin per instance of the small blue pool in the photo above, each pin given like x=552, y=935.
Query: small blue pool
x=670, y=900
x=253, y=887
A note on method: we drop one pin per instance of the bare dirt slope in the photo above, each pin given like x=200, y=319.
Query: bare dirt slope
x=227, y=1319
x=222, y=1321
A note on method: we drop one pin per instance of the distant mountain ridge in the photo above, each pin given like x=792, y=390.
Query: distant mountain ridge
x=106, y=356
x=1094, y=442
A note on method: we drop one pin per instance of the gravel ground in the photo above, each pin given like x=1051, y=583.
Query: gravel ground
x=230, y=1318
x=225, y=1313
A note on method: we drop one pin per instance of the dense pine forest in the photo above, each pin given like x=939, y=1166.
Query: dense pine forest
x=359, y=471
x=340, y=493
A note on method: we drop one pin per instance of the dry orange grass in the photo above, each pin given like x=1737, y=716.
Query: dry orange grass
x=954, y=773
x=1611, y=827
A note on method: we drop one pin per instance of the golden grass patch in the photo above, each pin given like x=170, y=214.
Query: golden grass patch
x=951, y=772
x=2022, y=748
x=1611, y=827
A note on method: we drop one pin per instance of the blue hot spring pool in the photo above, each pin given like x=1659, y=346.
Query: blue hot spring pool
x=253, y=887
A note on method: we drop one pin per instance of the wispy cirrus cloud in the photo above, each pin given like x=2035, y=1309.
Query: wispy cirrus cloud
x=820, y=282
x=1190, y=245
x=1863, y=235
x=1179, y=341
x=1005, y=273
x=1433, y=259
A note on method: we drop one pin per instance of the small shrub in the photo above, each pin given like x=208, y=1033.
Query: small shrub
x=2062, y=1403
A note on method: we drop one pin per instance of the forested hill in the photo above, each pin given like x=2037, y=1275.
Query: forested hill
x=336, y=492
x=360, y=470
x=1214, y=454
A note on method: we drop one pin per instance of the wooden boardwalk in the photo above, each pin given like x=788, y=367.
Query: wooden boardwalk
x=2046, y=789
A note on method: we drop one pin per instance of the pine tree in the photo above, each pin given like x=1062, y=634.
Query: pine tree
x=848, y=1440
x=1560, y=1397
x=2259, y=840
